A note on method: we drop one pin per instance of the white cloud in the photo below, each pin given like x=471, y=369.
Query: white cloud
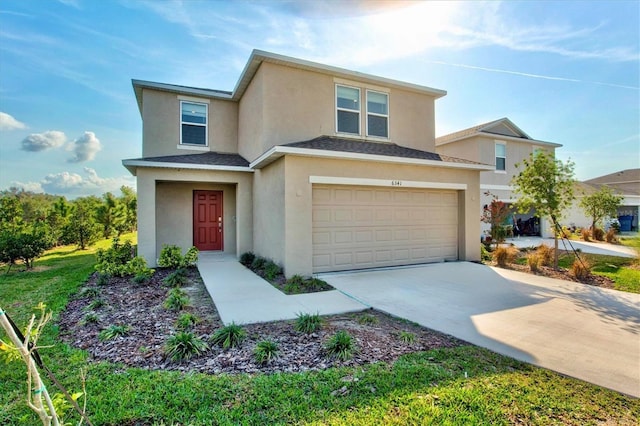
x=85, y=148
x=75, y=185
x=36, y=142
x=7, y=122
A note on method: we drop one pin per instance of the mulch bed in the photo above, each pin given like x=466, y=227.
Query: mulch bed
x=140, y=307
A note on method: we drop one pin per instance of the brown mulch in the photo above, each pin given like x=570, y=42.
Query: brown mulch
x=140, y=307
x=564, y=274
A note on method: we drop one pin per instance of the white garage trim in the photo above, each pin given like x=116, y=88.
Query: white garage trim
x=330, y=180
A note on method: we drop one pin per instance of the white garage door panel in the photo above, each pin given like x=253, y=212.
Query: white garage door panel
x=362, y=227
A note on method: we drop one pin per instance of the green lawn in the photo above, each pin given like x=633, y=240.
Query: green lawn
x=464, y=385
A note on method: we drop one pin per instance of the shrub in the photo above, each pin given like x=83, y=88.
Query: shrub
x=186, y=321
x=258, y=263
x=90, y=318
x=407, y=337
x=598, y=234
x=177, y=278
x=340, y=346
x=585, y=234
x=176, y=300
x=308, y=323
x=113, y=261
x=265, y=351
x=504, y=255
x=229, y=336
x=184, y=345
x=114, y=331
x=367, y=319
x=90, y=292
x=103, y=278
x=271, y=270
x=298, y=284
x=138, y=267
x=247, y=258
x=485, y=255
x=141, y=279
x=534, y=261
x=611, y=236
x=95, y=304
x=546, y=254
x=581, y=269
x=171, y=257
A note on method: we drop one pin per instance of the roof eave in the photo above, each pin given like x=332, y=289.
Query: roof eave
x=497, y=136
x=279, y=151
x=133, y=164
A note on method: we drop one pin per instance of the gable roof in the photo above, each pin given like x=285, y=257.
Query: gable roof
x=625, y=181
x=503, y=127
x=257, y=58
x=356, y=149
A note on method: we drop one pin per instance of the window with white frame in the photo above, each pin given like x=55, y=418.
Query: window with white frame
x=501, y=157
x=377, y=114
x=193, y=123
x=348, y=109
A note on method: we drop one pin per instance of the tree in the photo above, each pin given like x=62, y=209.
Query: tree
x=82, y=228
x=130, y=202
x=495, y=214
x=546, y=185
x=600, y=204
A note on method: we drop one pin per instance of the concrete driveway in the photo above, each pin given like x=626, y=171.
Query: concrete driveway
x=585, y=332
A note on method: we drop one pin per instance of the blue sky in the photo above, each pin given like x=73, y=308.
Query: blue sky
x=565, y=72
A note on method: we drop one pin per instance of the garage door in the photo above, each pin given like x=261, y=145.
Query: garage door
x=366, y=227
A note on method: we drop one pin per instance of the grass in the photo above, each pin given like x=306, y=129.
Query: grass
x=622, y=270
x=464, y=385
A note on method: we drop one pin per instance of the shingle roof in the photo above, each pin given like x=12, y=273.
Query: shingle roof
x=332, y=143
x=207, y=158
x=624, y=181
x=476, y=129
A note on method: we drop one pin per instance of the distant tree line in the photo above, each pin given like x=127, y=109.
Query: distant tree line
x=31, y=223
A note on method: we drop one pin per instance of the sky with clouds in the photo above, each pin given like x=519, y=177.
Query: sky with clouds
x=565, y=72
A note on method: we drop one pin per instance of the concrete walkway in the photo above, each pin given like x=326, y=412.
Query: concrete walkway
x=575, y=329
x=585, y=247
x=243, y=297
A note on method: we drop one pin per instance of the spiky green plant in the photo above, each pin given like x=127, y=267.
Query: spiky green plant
x=340, y=346
x=184, y=345
x=308, y=323
x=265, y=351
x=229, y=336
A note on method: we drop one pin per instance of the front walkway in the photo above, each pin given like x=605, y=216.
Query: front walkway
x=243, y=297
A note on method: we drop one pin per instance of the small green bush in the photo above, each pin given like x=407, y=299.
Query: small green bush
x=90, y=318
x=407, y=337
x=186, y=321
x=90, y=292
x=308, y=323
x=171, y=257
x=114, y=260
x=95, y=304
x=485, y=255
x=177, y=278
x=184, y=345
x=247, y=258
x=258, y=263
x=176, y=300
x=298, y=284
x=271, y=270
x=367, y=319
x=114, y=331
x=138, y=267
x=229, y=336
x=340, y=346
x=103, y=278
x=190, y=257
x=265, y=351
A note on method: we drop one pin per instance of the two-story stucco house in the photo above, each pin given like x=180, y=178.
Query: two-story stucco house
x=502, y=144
x=316, y=167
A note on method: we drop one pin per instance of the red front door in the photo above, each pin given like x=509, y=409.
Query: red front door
x=207, y=220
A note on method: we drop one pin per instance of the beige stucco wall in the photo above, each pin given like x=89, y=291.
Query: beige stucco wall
x=165, y=208
x=297, y=223
x=283, y=105
x=269, y=221
x=161, y=125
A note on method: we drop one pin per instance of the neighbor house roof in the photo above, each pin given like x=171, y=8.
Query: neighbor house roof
x=207, y=160
x=257, y=58
x=625, y=181
x=356, y=149
x=503, y=127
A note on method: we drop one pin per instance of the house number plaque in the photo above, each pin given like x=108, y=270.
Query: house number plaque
x=396, y=183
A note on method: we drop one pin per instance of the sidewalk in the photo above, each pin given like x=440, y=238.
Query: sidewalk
x=243, y=297
x=594, y=248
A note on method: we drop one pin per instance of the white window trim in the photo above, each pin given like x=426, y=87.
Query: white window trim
x=349, y=110
x=205, y=125
x=495, y=156
x=377, y=115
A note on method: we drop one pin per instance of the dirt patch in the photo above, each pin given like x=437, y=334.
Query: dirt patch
x=139, y=306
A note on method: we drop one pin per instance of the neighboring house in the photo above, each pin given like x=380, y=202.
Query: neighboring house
x=625, y=183
x=502, y=144
x=316, y=167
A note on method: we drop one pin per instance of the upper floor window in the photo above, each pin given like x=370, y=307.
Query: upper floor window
x=193, y=123
x=348, y=109
x=501, y=157
x=377, y=114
